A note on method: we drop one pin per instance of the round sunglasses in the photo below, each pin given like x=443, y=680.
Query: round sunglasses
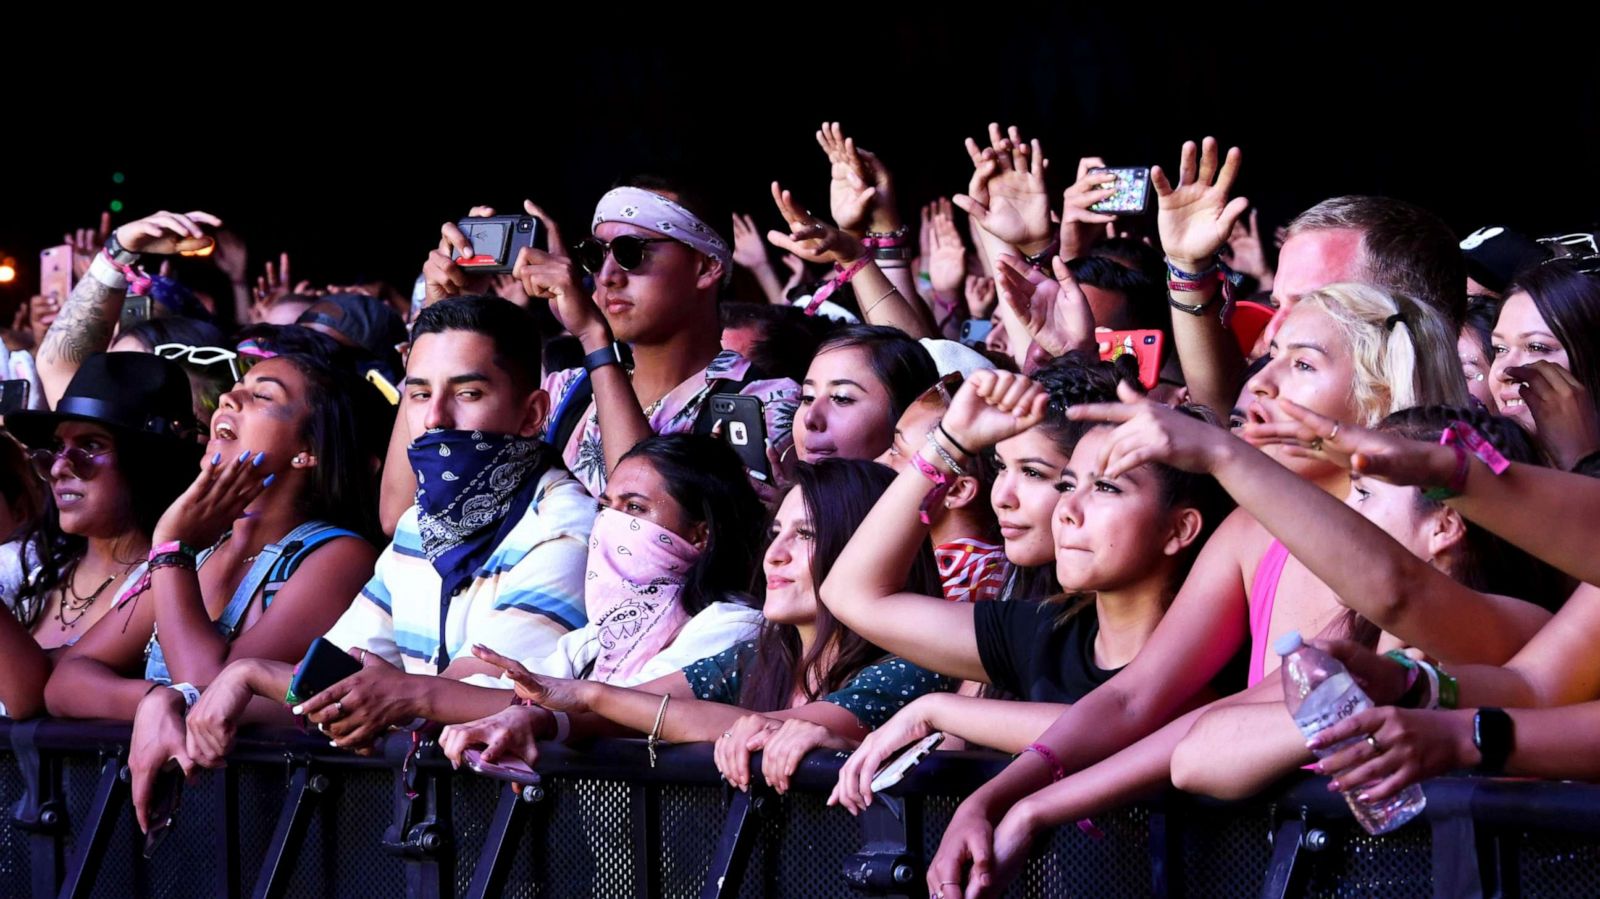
x=626, y=249
x=82, y=465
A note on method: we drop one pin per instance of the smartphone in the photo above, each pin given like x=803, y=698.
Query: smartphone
x=1146, y=346
x=166, y=794
x=134, y=311
x=896, y=770
x=1133, y=191
x=974, y=331
x=13, y=396
x=324, y=665
x=511, y=769
x=495, y=241
x=55, y=273
x=739, y=421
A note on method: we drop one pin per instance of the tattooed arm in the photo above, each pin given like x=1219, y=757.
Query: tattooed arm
x=89, y=318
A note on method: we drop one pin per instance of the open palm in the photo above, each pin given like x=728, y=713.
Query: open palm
x=1196, y=217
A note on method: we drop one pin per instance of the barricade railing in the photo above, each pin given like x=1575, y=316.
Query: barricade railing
x=290, y=816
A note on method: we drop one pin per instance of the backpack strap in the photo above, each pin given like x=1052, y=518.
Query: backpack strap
x=558, y=430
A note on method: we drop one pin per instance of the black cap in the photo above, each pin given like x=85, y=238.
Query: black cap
x=137, y=394
x=362, y=321
x=1496, y=255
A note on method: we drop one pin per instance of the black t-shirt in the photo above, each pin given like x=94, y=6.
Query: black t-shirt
x=1027, y=655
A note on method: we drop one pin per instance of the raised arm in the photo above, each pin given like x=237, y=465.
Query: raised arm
x=862, y=200
x=89, y=317
x=1519, y=505
x=1402, y=594
x=1195, y=219
x=864, y=588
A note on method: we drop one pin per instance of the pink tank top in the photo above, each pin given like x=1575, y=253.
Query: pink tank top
x=1263, y=592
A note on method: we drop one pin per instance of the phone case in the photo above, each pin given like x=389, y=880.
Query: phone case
x=324, y=665
x=1133, y=191
x=742, y=424
x=496, y=241
x=514, y=771
x=1146, y=346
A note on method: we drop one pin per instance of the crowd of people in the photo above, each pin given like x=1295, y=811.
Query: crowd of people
x=632, y=482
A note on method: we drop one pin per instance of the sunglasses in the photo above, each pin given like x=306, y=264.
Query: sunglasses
x=82, y=465
x=207, y=356
x=627, y=250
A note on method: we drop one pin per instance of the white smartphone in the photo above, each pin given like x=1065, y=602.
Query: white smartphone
x=896, y=770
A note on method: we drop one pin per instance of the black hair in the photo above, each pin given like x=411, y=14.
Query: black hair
x=1482, y=313
x=1145, y=298
x=838, y=494
x=707, y=480
x=1569, y=302
x=347, y=425
x=901, y=364
x=788, y=337
x=1491, y=564
x=291, y=339
x=509, y=326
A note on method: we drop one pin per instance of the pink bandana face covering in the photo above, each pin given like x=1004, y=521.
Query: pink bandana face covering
x=637, y=570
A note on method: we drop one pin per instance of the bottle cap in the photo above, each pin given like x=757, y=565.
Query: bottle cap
x=1288, y=643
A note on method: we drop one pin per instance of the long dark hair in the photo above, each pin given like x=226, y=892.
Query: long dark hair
x=838, y=494
x=1569, y=302
x=706, y=478
x=900, y=363
x=156, y=472
x=346, y=428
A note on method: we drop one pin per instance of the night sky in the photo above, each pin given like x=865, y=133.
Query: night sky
x=350, y=155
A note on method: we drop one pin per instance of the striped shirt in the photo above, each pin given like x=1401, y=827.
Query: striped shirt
x=528, y=593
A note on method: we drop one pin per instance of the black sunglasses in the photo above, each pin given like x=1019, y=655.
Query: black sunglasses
x=626, y=249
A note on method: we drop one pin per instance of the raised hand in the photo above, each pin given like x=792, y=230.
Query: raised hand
x=1007, y=196
x=1245, y=253
x=1053, y=311
x=1563, y=412
x=810, y=237
x=981, y=296
x=861, y=192
x=748, y=250
x=214, y=501
x=85, y=243
x=1148, y=431
x=1196, y=217
x=797, y=271
x=1080, y=225
x=554, y=276
x=440, y=274
x=275, y=282
x=992, y=406
x=1387, y=457
x=166, y=233
x=947, y=259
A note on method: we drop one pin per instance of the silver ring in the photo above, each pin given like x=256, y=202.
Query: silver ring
x=1372, y=741
x=1316, y=444
x=339, y=704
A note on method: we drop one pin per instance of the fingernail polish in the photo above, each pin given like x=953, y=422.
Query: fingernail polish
x=1364, y=797
x=244, y=456
x=268, y=482
x=217, y=459
x=297, y=710
x=334, y=743
x=258, y=458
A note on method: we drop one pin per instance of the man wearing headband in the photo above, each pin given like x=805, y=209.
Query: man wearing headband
x=658, y=268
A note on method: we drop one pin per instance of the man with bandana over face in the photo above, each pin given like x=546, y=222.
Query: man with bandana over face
x=493, y=551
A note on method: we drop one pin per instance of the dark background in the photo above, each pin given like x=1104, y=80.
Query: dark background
x=349, y=155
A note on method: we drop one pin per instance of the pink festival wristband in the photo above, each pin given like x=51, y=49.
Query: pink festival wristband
x=840, y=279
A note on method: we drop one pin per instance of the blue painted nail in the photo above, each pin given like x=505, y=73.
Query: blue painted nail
x=269, y=480
x=258, y=458
x=217, y=459
x=245, y=456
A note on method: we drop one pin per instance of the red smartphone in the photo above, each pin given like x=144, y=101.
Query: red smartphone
x=510, y=769
x=55, y=273
x=1146, y=346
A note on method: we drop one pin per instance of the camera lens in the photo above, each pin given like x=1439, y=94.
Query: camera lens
x=525, y=225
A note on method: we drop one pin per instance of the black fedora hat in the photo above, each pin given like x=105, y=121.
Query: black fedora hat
x=136, y=394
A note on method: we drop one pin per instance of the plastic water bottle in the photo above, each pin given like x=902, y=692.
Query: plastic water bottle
x=1319, y=693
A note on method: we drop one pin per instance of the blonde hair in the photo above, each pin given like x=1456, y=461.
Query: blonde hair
x=1404, y=354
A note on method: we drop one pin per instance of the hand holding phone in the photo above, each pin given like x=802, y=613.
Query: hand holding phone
x=495, y=241
x=896, y=770
x=324, y=665
x=739, y=420
x=513, y=770
x=1132, y=195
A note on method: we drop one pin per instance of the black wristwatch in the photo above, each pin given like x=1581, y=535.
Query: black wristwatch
x=613, y=353
x=118, y=253
x=1494, y=734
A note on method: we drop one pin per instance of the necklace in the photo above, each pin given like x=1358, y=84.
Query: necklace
x=78, y=605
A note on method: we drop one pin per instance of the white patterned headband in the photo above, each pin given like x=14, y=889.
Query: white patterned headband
x=645, y=209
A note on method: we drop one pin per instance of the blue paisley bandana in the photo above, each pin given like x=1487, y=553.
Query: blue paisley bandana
x=472, y=490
